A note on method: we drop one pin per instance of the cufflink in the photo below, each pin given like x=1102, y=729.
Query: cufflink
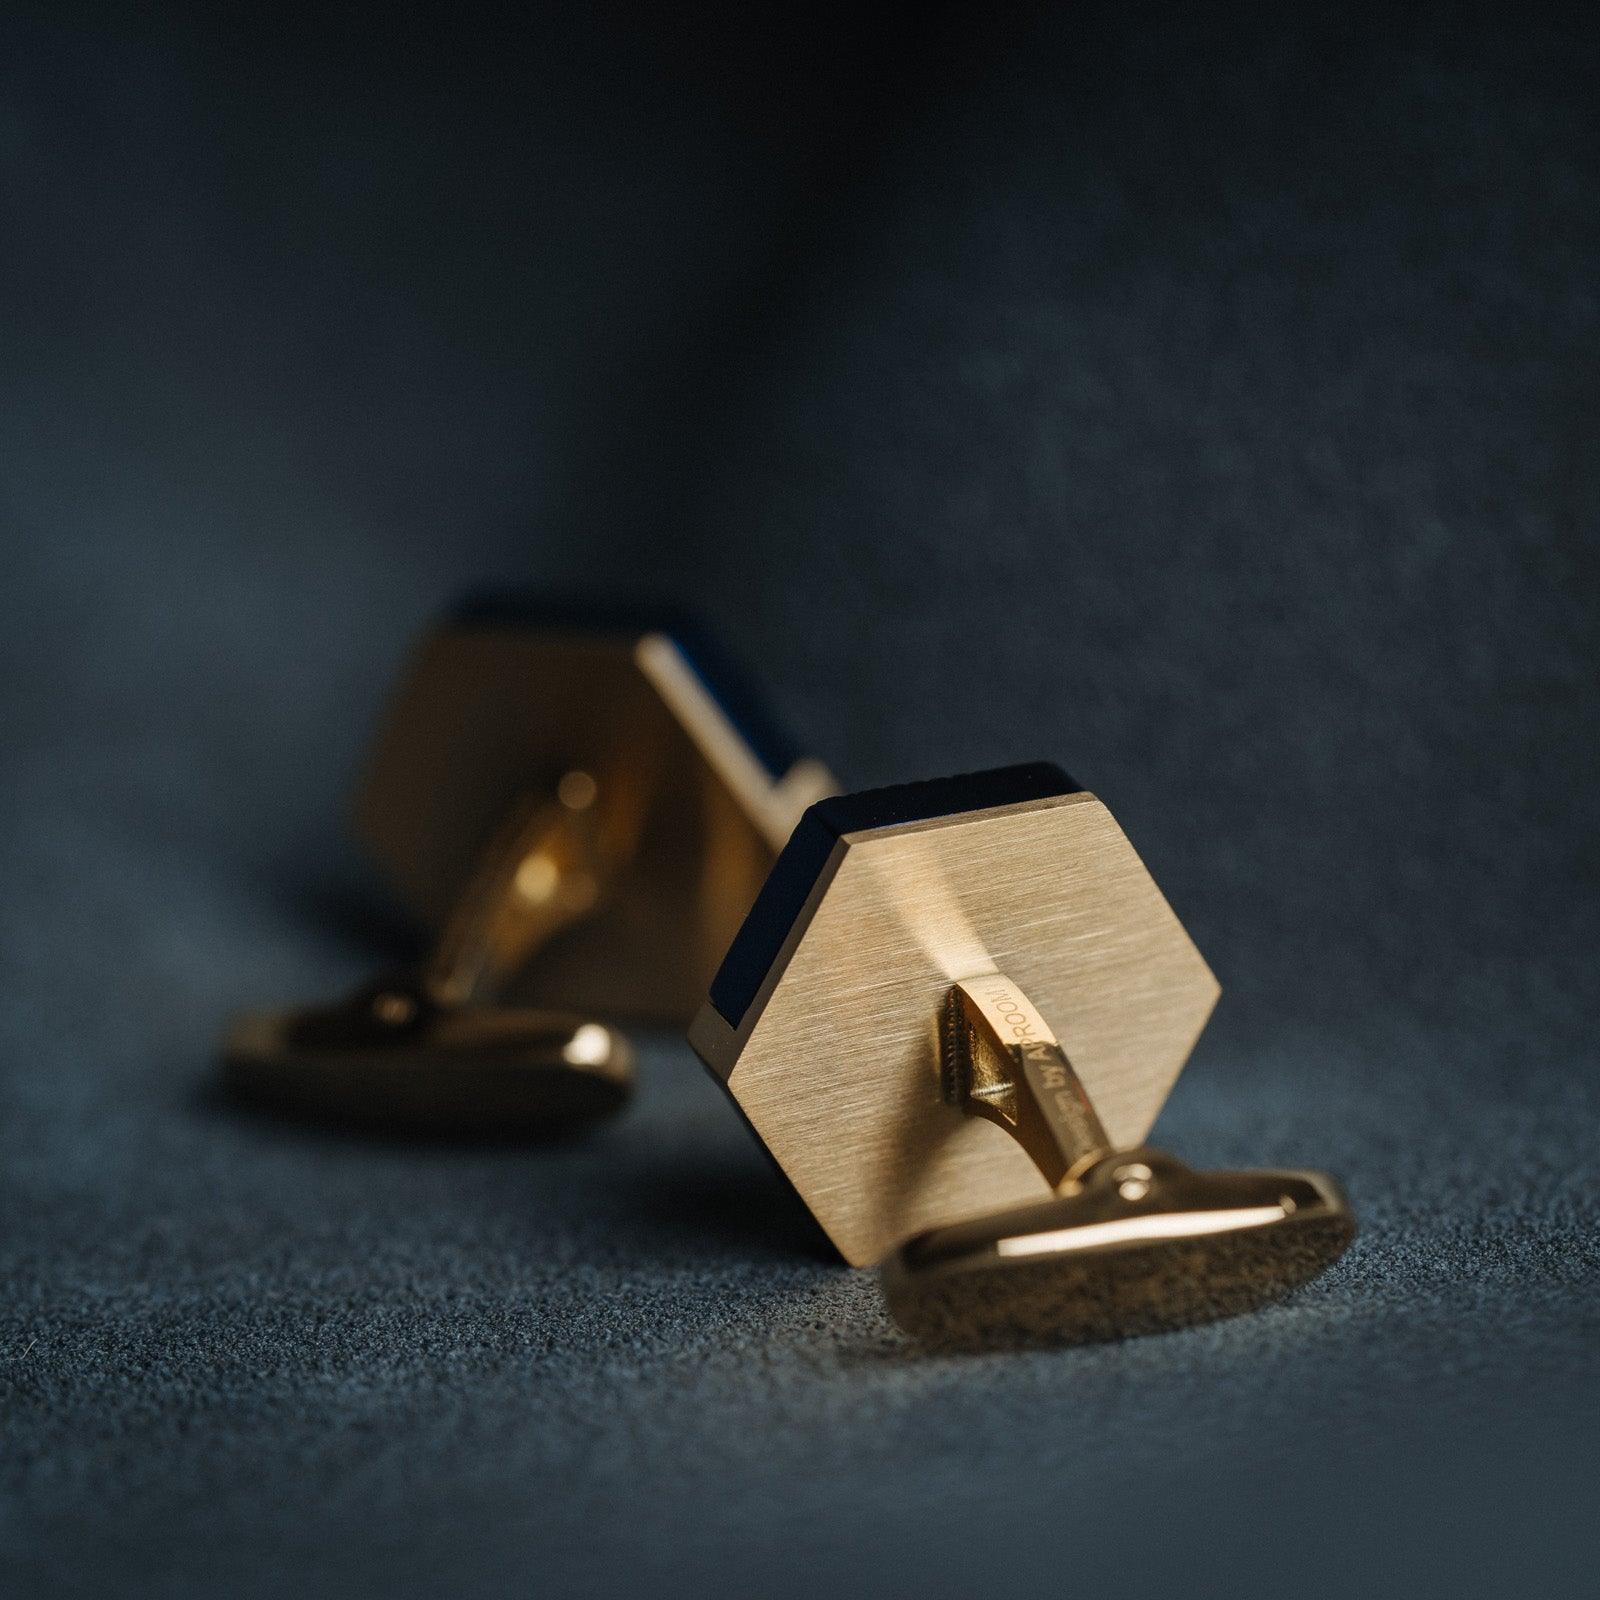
x=951, y=1017
x=579, y=811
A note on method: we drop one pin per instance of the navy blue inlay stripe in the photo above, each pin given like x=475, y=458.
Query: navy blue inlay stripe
x=796, y=870
x=718, y=674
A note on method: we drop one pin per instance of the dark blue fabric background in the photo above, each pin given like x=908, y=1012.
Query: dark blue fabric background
x=1207, y=402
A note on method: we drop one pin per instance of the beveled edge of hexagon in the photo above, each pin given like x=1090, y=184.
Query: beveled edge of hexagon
x=800, y=877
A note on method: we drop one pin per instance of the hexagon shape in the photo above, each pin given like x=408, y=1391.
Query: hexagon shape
x=507, y=696
x=822, y=1021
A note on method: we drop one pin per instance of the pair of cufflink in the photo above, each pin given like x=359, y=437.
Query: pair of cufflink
x=950, y=1011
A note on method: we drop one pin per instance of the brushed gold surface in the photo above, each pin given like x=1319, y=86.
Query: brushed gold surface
x=836, y=1063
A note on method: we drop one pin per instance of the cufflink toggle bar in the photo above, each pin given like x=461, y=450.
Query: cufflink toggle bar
x=1133, y=1242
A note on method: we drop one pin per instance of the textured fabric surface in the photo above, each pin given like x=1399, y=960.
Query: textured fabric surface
x=1210, y=406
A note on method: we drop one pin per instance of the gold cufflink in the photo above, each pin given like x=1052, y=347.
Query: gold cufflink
x=952, y=1016
x=581, y=816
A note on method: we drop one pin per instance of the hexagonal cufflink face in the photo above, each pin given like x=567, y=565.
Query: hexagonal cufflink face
x=822, y=1023
x=508, y=698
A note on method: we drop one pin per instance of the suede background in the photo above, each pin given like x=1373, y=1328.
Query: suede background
x=1208, y=401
